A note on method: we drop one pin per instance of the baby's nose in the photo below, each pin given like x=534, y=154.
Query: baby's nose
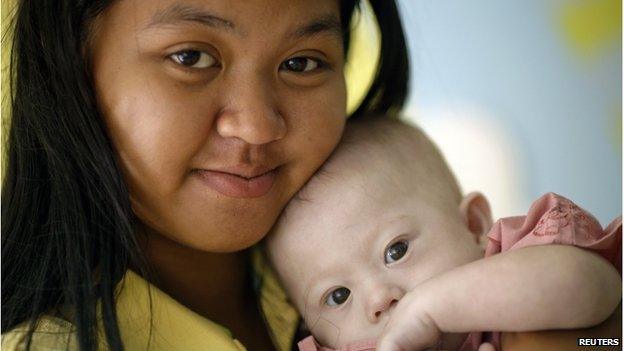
x=381, y=300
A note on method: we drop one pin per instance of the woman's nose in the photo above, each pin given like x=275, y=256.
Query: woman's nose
x=250, y=113
x=381, y=300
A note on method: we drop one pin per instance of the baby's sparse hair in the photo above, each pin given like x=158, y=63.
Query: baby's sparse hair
x=397, y=150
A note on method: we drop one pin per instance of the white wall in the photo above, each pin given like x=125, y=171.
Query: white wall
x=524, y=96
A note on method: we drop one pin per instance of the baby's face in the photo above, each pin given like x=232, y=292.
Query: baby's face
x=350, y=251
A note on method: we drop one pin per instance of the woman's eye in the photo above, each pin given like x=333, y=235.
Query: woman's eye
x=193, y=59
x=338, y=296
x=301, y=64
x=396, y=251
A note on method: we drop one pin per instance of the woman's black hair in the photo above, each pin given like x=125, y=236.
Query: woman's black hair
x=67, y=233
x=389, y=89
x=67, y=224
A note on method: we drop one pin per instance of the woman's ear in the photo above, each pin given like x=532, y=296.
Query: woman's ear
x=475, y=210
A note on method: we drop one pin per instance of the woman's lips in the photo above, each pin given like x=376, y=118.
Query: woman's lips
x=234, y=185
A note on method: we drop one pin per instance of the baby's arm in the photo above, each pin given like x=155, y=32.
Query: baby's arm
x=534, y=288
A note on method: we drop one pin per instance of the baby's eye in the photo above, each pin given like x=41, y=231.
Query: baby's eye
x=396, y=251
x=193, y=59
x=301, y=64
x=338, y=296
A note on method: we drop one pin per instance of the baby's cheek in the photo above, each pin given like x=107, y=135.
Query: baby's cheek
x=326, y=332
x=353, y=334
x=331, y=326
x=459, y=253
x=336, y=331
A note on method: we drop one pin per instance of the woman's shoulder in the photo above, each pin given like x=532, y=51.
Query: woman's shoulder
x=51, y=333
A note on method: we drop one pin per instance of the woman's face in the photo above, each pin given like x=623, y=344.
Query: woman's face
x=219, y=110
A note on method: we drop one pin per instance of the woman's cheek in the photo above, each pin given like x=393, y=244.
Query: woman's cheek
x=157, y=132
x=318, y=125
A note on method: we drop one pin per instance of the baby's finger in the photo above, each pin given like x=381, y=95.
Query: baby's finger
x=385, y=345
x=397, y=342
x=486, y=346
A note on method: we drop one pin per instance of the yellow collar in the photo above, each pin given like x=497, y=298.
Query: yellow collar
x=173, y=326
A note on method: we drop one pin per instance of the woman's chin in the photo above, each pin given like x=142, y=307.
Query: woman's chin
x=215, y=226
x=229, y=238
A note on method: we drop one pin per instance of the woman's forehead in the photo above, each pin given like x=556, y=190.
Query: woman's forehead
x=242, y=17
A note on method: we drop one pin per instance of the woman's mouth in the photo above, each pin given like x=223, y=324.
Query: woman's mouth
x=236, y=184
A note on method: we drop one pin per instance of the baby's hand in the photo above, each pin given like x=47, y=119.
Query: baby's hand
x=410, y=328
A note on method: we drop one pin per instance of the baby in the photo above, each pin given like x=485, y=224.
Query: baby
x=380, y=248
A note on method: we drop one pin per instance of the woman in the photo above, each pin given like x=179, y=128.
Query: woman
x=164, y=139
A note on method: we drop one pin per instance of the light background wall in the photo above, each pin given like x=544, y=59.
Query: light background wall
x=523, y=97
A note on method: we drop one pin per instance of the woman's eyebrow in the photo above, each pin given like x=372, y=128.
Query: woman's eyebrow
x=323, y=24
x=184, y=13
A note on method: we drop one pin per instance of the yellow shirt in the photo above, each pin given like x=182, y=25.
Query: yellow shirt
x=173, y=326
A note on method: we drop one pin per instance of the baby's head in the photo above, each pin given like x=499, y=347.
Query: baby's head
x=383, y=214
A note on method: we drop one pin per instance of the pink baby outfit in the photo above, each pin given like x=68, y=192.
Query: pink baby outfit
x=552, y=219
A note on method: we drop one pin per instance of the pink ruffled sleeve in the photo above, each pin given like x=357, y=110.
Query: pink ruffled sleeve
x=553, y=219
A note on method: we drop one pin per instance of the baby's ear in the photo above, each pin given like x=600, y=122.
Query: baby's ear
x=475, y=210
